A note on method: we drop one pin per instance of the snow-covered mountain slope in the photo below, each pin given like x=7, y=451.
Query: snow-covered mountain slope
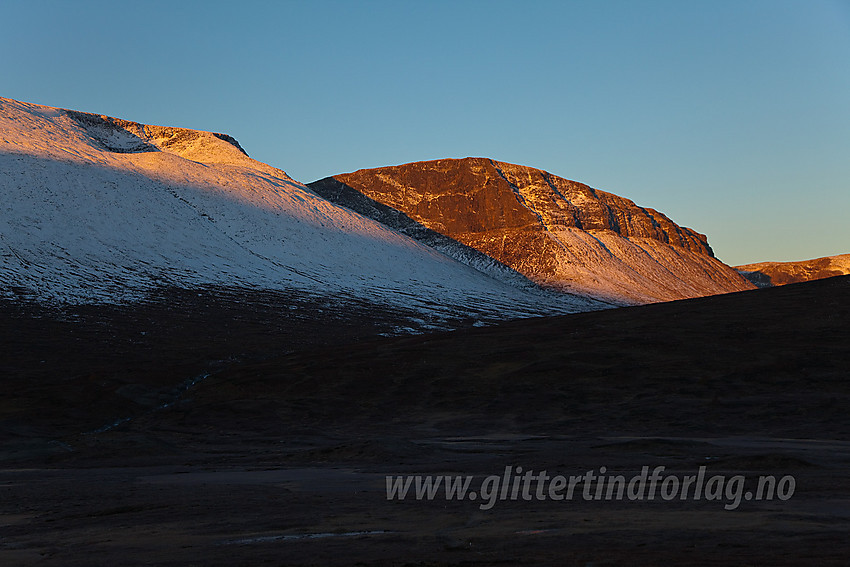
x=558, y=233
x=769, y=274
x=97, y=209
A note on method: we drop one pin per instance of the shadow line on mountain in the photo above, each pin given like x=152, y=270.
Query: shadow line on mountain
x=759, y=278
x=343, y=194
x=110, y=188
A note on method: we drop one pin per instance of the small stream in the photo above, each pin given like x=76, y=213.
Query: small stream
x=179, y=392
x=293, y=537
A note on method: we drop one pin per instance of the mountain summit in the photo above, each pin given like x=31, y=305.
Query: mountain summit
x=558, y=233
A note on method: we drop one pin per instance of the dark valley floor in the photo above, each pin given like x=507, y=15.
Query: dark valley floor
x=224, y=429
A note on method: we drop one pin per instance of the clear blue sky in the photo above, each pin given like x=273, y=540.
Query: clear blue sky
x=732, y=117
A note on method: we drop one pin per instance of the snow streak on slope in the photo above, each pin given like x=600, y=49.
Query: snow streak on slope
x=100, y=209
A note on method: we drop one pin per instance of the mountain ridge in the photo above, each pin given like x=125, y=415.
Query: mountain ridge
x=165, y=136
x=102, y=209
x=558, y=233
x=769, y=274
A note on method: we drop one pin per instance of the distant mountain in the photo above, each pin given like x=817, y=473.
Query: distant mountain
x=558, y=233
x=99, y=209
x=769, y=274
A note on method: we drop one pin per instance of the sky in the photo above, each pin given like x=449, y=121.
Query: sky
x=731, y=117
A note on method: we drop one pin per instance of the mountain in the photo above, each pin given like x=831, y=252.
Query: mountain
x=559, y=233
x=99, y=209
x=768, y=274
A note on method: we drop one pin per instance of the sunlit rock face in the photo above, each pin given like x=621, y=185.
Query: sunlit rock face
x=100, y=209
x=558, y=233
x=769, y=274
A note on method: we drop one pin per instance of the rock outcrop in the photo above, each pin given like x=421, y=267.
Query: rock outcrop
x=558, y=233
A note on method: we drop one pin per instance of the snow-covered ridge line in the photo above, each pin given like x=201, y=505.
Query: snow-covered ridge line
x=120, y=135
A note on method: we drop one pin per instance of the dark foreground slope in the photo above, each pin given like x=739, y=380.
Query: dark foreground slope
x=281, y=459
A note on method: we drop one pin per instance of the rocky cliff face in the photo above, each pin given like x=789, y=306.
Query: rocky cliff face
x=556, y=232
x=769, y=274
